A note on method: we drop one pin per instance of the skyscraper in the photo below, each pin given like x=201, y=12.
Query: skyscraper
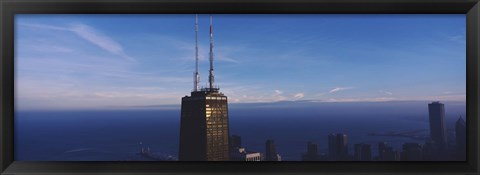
x=338, y=146
x=386, y=152
x=438, y=133
x=312, y=152
x=271, y=152
x=235, y=142
x=461, y=138
x=411, y=152
x=204, y=127
x=332, y=151
x=428, y=151
x=381, y=150
x=363, y=152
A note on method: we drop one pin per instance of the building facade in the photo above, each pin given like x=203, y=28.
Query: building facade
x=362, y=152
x=438, y=132
x=312, y=152
x=271, y=151
x=204, y=128
x=338, y=146
x=461, y=139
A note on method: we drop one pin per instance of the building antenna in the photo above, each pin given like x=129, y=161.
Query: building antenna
x=210, y=77
x=196, y=76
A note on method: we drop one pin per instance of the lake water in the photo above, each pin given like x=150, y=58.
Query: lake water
x=115, y=134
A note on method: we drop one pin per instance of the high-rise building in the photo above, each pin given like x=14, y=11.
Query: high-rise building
x=381, y=150
x=271, y=152
x=312, y=152
x=438, y=132
x=332, y=149
x=363, y=152
x=429, y=151
x=387, y=153
x=411, y=152
x=390, y=154
x=461, y=139
x=338, y=146
x=204, y=127
x=235, y=142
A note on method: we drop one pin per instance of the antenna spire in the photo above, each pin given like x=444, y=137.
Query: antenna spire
x=196, y=76
x=210, y=77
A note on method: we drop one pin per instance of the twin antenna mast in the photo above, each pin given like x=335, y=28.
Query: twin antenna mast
x=196, y=75
x=196, y=78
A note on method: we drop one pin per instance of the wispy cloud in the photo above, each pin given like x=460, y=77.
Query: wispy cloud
x=299, y=95
x=89, y=34
x=106, y=43
x=43, y=26
x=227, y=59
x=458, y=39
x=337, y=89
x=385, y=92
x=376, y=99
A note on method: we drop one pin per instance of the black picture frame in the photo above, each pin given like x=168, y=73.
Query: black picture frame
x=8, y=9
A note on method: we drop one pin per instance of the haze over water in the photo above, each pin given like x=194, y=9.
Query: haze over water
x=115, y=134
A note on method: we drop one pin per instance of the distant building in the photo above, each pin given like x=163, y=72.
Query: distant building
x=387, y=153
x=338, y=146
x=270, y=151
x=240, y=154
x=429, y=151
x=332, y=147
x=381, y=150
x=411, y=152
x=312, y=152
x=390, y=154
x=235, y=142
x=438, y=132
x=363, y=152
x=461, y=139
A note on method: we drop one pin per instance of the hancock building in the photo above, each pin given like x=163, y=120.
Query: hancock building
x=204, y=130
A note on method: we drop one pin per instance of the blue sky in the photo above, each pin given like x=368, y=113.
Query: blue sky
x=92, y=61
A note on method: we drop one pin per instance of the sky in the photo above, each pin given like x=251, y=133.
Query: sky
x=95, y=61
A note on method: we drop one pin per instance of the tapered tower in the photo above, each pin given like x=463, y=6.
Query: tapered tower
x=204, y=130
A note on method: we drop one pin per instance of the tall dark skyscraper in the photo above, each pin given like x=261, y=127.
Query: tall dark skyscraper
x=438, y=133
x=235, y=142
x=312, y=152
x=204, y=130
x=461, y=138
x=338, y=146
x=271, y=151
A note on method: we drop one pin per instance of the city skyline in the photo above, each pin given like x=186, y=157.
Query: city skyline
x=87, y=61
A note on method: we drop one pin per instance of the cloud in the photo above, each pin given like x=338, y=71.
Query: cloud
x=89, y=34
x=40, y=47
x=43, y=26
x=299, y=95
x=376, y=99
x=385, y=92
x=457, y=38
x=339, y=89
x=227, y=59
x=278, y=92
